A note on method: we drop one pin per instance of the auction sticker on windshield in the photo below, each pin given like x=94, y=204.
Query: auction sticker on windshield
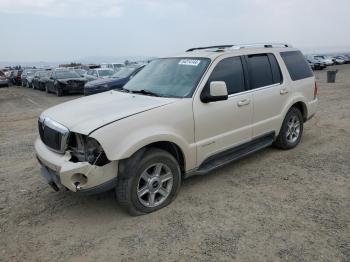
x=190, y=62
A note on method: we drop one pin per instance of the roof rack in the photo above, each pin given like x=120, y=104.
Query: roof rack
x=261, y=45
x=221, y=48
x=218, y=47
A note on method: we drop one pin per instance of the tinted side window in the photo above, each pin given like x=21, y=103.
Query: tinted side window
x=260, y=70
x=276, y=70
x=297, y=67
x=229, y=70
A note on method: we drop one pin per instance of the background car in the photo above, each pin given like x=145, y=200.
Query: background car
x=40, y=78
x=315, y=64
x=327, y=60
x=344, y=58
x=27, y=77
x=62, y=81
x=3, y=80
x=117, y=80
x=16, y=77
x=80, y=72
x=98, y=73
x=338, y=60
x=115, y=66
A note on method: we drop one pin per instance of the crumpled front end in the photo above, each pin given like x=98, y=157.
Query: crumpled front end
x=72, y=160
x=59, y=171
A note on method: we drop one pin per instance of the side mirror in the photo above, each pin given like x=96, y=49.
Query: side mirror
x=217, y=92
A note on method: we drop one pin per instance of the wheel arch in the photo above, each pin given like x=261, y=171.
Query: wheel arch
x=302, y=108
x=165, y=145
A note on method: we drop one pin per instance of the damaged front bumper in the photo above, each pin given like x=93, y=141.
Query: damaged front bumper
x=59, y=171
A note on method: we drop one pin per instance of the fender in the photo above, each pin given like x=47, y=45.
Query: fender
x=138, y=139
x=295, y=99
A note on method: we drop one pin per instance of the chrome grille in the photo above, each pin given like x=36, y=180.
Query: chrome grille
x=53, y=134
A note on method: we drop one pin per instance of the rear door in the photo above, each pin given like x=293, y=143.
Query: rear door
x=270, y=93
x=224, y=124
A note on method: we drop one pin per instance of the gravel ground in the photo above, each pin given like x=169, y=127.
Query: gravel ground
x=271, y=206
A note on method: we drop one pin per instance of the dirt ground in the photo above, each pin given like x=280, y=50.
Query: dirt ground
x=271, y=206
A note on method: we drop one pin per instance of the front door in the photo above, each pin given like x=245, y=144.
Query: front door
x=223, y=124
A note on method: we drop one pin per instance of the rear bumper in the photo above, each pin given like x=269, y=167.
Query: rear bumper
x=69, y=89
x=77, y=177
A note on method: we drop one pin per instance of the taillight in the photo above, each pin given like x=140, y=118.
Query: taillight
x=315, y=90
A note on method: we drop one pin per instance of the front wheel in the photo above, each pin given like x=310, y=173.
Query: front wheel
x=150, y=185
x=59, y=91
x=291, y=130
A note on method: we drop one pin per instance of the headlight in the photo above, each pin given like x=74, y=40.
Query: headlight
x=105, y=86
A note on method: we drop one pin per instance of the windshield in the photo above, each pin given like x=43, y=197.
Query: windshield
x=43, y=73
x=79, y=71
x=66, y=74
x=125, y=72
x=105, y=72
x=170, y=77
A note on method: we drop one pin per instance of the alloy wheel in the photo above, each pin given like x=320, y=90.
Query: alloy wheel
x=154, y=185
x=293, y=130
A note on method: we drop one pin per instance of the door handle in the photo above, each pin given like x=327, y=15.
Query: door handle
x=283, y=91
x=243, y=102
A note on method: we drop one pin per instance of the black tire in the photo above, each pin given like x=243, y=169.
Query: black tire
x=128, y=181
x=59, y=91
x=282, y=140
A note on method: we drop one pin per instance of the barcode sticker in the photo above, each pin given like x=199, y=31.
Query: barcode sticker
x=190, y=62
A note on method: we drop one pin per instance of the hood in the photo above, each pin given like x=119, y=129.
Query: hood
x=109, y=81
x=86, y=114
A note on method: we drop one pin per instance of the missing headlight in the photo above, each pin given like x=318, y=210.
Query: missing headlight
x=87, y=149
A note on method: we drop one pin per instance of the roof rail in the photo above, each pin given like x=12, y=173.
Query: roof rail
x=261, y=45
x=220, y=48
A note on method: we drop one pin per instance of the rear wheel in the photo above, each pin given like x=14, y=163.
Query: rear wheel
x=150, y=185
x=291, y=130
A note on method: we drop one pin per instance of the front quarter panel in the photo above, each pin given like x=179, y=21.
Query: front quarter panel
x=172, y=123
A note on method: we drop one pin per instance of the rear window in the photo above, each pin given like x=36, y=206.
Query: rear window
x=296, y=64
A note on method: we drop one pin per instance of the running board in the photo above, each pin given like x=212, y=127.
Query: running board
x=233, y=154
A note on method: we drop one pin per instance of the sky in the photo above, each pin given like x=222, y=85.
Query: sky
x=69, y=30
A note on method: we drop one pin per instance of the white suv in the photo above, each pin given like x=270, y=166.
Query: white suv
x=180, y=116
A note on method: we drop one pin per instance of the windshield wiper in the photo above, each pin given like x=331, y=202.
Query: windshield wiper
x=144, y=92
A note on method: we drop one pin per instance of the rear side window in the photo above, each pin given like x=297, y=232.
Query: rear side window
x=296, y=64
x=229, y=70
x=263, y=70
x=275, y=68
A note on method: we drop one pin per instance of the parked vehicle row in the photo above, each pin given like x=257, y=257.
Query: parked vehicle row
x=319, y=62
x=61, y=81
x=117, y=80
